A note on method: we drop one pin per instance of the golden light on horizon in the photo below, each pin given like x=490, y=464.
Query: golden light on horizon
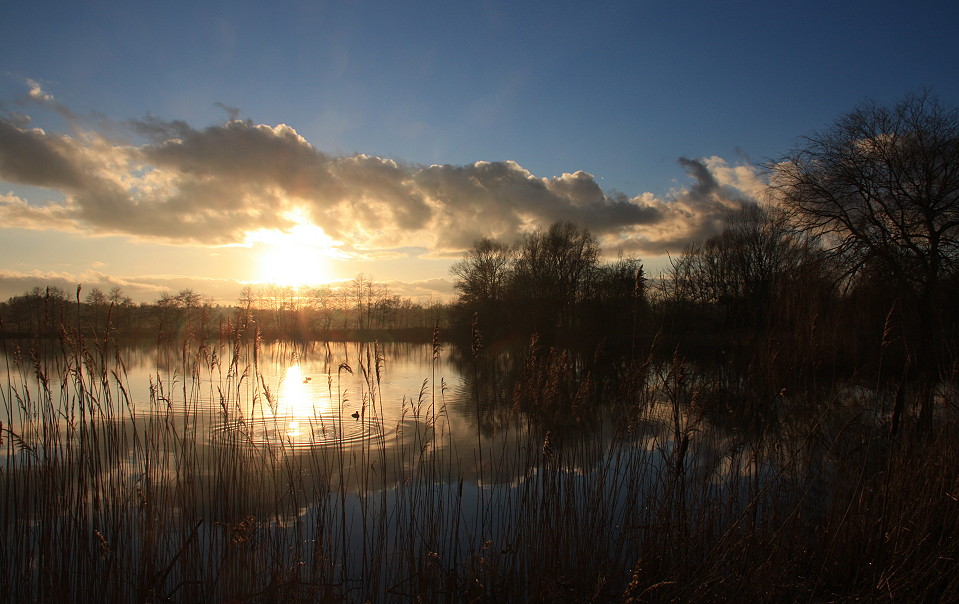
x=299, y=257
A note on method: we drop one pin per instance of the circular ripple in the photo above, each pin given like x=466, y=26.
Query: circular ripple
x=298, y=431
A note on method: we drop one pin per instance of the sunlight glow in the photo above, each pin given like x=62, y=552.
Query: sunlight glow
x=297, y=404
x=294, y=399
x=298, y=257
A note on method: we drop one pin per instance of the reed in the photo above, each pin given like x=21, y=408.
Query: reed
x=676, y=483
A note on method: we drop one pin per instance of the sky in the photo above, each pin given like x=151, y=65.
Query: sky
x=157, y=146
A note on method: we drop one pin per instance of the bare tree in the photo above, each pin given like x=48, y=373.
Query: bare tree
x=483, y=273
x=881, y=190
x=95, y=300
x=739, y=271
x=118, y=298
x=553, y=272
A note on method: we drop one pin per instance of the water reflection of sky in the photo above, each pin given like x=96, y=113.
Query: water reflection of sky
x=398, y=407
x=295, y=396
x=342, y=449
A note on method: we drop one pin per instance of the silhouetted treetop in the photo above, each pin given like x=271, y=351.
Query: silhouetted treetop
x=881, y=188
x=550, y=280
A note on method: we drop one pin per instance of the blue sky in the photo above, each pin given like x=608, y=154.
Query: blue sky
x=575, y=110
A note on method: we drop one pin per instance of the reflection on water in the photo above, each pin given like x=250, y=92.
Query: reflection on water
x=303, y=413
x=360, y=466
x=408, y=405
x=297, y=398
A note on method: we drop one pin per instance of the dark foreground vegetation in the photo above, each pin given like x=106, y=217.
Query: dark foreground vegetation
x=775, y=419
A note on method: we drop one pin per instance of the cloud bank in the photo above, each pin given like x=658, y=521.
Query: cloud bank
x=213, y=186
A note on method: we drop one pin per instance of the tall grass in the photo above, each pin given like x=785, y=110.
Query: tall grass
x=676, y=484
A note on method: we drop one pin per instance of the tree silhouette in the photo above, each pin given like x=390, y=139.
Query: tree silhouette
x=880, y=189
x=482, y=279
x=882, y=186
x=739, y=271
x=552, y=281
x=553, y=273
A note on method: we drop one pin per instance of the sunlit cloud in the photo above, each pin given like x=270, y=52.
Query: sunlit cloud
x=36, y=91
x=240, y=183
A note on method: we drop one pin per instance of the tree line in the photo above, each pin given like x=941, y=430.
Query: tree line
x=851, y=259
x=360, y=308
x=551, y=282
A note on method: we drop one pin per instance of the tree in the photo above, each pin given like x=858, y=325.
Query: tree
x=186, y=310
x=483, y=273
x=617, y=299
x=740, y=270
x=188, y=298
x=36, y=311
x=553, y=272
x=118, y=298
x=482, y=279
x=96, y=299
x=880, y=188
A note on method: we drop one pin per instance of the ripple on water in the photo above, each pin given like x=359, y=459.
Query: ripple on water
x=299, y=431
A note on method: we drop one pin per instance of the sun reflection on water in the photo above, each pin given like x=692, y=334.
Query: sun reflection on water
x=315, y=410
x=297, y=404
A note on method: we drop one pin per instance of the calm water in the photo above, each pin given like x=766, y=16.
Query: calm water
x=301, y=399
x=359, y=460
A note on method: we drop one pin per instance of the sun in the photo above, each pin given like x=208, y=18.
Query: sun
x=290, y=261
x=299, y=257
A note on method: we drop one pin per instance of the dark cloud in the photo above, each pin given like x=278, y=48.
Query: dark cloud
x=217, y=184
x=158, y=130
x=232, y=112
x=706, y=189
x=31, y=157
x=696, y=213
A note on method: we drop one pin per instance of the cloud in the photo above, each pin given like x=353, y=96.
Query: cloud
x=215, y=185
x=17, y=213
x=421, y=291
x=36, y=91
x=233, y=112
x=30, y=156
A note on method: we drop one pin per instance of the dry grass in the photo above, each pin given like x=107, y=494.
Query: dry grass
x=684, y=485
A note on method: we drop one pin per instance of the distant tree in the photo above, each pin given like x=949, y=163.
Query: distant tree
x=247, y=303
x=118, y=298
x=188, y=298
x=121, y=308
x=248, y=298
x=551, y=280
x=360, y=290
x=95, y=301
x=167, y=313
x=39, y=310
x=95, y=297
x=482, y=275
x=616, y=299
x=187, y=310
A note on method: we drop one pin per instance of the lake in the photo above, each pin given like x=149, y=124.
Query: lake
x=321, y=471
